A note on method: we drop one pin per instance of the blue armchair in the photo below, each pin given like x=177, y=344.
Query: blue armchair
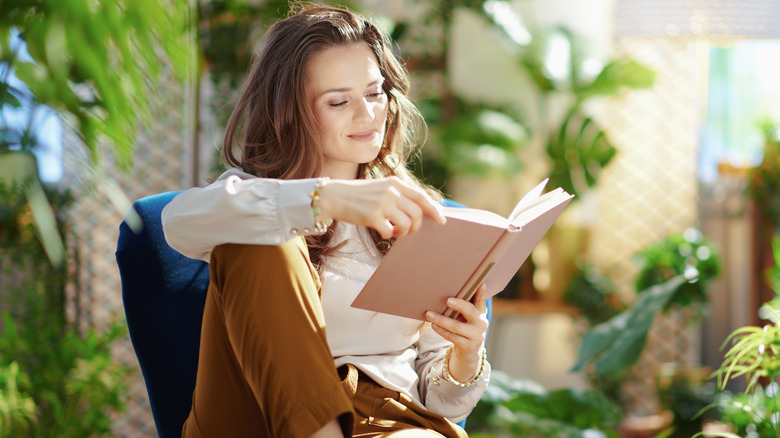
x=164, y=295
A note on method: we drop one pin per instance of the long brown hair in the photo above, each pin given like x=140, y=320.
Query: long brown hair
x=272, y=132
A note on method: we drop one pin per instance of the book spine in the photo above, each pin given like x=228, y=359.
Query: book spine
x=483, y=269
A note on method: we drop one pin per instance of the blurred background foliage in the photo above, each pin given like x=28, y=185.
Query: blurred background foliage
x=94, y=63
x=55, y=380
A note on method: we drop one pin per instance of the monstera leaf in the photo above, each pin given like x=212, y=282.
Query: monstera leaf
x=579, y=150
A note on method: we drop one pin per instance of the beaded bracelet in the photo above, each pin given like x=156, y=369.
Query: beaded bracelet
x=320, y=226
x=446, y=370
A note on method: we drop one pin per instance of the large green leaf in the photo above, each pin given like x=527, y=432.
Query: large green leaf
x=582, y=409
x=522, y=407
x=579, y=150
x=615, y=345
x=618, y=74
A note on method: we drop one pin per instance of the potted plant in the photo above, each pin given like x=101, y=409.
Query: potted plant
x=674, y=272
x=754, y=354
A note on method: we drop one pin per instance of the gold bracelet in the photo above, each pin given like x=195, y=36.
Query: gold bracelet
x=320, y=226
x=446, y=370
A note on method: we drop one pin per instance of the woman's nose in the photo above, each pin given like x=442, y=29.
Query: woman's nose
x=364, y=111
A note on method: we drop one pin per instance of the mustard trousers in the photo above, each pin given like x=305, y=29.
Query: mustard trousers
x=265, y=369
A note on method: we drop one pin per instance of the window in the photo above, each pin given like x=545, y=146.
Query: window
x=743, y=93
x=42, y=123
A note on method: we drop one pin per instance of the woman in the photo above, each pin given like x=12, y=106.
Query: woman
x=320, y=133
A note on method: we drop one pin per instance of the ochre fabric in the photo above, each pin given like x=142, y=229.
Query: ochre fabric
x=382, y=412
x=265, y=369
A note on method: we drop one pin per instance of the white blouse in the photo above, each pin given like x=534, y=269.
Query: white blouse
x=398, y=353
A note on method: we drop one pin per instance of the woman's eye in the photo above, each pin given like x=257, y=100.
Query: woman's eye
x=376, y=95
x=338, y=104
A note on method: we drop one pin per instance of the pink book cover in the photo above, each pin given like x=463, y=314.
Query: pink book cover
x=438, y=261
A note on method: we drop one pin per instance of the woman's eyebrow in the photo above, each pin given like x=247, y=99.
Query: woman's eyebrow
x=345, y=89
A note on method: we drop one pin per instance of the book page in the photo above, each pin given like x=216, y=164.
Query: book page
x=475, y=215
x=529, y=197
x=541, y=205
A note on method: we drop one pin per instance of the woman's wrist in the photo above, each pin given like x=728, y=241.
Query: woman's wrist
x=321, y=221
x=460, y=378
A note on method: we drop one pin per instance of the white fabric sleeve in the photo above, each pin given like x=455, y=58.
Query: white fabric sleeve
x=438, y=394
x=238, y=208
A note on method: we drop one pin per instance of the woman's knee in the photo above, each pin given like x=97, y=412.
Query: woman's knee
x=240, y=259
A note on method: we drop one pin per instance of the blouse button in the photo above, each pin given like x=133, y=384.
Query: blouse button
x=306, y=231
x=294, y=231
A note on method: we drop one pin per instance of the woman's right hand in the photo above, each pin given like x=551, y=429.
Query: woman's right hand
x=391, y=206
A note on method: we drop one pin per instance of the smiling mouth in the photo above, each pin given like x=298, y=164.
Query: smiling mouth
x=364, y=135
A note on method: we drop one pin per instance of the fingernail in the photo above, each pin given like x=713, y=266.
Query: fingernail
x=429, y=314
x=452, y=301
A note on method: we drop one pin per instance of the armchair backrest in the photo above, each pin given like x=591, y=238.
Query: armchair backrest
x=164, y=294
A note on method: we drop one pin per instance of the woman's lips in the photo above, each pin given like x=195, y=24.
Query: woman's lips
x=367, y=135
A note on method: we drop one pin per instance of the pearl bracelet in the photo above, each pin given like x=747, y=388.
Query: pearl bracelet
x=320, y=226
x=446, y=370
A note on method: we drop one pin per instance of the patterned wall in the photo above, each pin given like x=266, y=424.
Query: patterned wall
x=162, y=161
x=649, y=191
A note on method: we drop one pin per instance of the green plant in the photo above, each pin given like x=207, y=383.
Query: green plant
x=685, y=391
x=561, y=69
x=764, y=180
x=614, y=346
x=593, y=295
x=17, y=410
x=673, y=273
x=754, y=355
x=689, y=254
x=519, y=407
x=92, y=61
x=596, y=300
x=66, y=377
x=477, y=140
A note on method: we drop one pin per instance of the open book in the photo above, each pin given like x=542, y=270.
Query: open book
x=475, y=246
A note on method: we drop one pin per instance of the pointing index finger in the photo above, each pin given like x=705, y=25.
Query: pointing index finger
x=431, y=208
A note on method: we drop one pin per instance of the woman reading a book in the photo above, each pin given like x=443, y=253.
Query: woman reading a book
x=319, y=139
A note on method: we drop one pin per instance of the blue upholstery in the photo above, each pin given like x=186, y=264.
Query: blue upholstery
x=164, y=295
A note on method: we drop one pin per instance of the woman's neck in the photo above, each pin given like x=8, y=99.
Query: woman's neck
x=346, y=171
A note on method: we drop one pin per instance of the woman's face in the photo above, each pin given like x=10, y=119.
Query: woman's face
x=344, y=88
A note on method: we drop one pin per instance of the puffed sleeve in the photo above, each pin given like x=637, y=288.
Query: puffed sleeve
x=238, y=208
x=438, y=394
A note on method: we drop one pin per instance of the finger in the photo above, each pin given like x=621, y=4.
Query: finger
x=401, y=222
x=383, y=227
x=429, y=207
x=413, y=211
x=459, y=328
x=467, y=309
x=480, y=301
x=460, y=341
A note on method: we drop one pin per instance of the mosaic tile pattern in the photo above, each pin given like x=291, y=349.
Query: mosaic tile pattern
x=649, y=191
x=161, y=162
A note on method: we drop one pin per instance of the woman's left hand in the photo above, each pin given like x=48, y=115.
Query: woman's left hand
x=467, y=333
